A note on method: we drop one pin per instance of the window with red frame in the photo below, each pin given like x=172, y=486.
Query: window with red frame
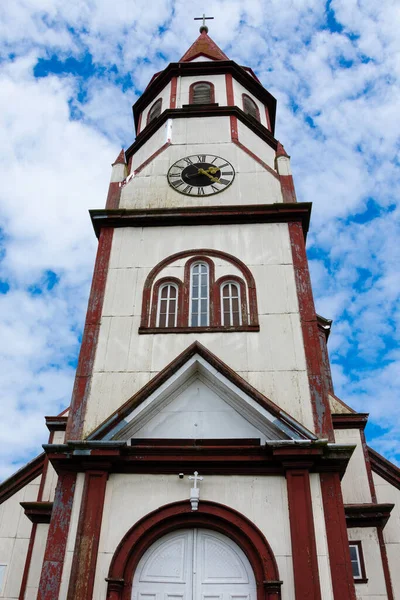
x=231, y=312
x=357, y=562
x=201, y=93
x=167, y=309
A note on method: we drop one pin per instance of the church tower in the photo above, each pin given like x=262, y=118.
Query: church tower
x=205, y=455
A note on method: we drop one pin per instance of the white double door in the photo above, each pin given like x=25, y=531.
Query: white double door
x=194, y=564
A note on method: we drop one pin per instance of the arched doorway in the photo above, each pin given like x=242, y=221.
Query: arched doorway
x=194, y=564
x=177, y=517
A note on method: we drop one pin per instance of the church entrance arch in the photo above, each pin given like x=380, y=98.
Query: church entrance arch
x=226, y=528
x=194, y=564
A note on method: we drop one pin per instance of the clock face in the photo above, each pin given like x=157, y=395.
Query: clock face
x=201, y=175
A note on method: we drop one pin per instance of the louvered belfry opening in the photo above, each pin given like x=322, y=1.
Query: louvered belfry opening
x=202, y=93
x=250, y=107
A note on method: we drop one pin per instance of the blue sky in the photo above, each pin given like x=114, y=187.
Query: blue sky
x=69, y=74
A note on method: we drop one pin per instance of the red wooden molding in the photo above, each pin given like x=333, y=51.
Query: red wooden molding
x=53, y=561
x=304, y=551
x=350, y=420
x=21, y=478
x=385, y=565
x=90, y=336
x=383, y=467
x=338, y=545
x=38, y=512
x=319, y=397
x=88, y=535
x=172, y=99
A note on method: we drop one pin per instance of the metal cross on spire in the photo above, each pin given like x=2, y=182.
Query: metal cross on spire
x=204, y=19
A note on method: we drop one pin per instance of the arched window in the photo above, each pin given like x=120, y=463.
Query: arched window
x=155, y=111
x=167, y=309
x=199, y=295
x=231, y=311
x=250, y=107
x=201, y=92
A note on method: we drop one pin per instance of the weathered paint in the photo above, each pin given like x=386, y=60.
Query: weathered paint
x=90, y=337
x=335, y=523
x=57, y=538
x=304, y=552
x=87, y=538
x=309, y=325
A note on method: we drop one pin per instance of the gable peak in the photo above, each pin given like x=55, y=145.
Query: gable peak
x=204, y=46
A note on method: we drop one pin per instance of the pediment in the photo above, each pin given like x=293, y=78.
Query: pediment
x=202, y=399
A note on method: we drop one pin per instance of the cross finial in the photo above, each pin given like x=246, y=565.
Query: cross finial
x=196, y=478
x=204, y=19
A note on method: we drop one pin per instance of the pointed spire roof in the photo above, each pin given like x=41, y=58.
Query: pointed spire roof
x=120, y=160
x=280, y=151
x=204, y=46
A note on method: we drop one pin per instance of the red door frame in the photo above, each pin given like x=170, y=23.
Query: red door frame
x=179, y=515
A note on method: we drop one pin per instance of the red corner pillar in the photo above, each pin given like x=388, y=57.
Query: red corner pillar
x=53, y=561
x=336, y=533
x=304, y=551
x=88, y=535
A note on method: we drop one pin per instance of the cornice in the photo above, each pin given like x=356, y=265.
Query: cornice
x=203, y=110
x=207, y=456
x=198, y=215
x=367, y=515
x=21, y=478
x=38, y=512
x=58, y=423
x=205, y=68
x=349, y=420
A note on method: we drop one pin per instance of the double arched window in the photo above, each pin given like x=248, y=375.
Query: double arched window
x=201, y=92
x=198, y=300
x=250, y=107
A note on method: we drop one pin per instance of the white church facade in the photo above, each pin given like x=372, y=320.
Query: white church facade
x=204, y=455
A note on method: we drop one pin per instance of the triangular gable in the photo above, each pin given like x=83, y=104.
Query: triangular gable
x=204, y=46
x=21, y=478
x=337, y=405
x=233, y=399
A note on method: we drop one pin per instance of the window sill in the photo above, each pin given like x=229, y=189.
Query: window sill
x=361, y=580
x=213, y=329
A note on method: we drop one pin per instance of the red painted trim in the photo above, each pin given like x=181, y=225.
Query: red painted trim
x=172, y=99
x=156, y=103
x=384, y=468
x=212, y=92
x=21, y=478
x=255, y=105
x=179, y=515
x=56, y=424
x=230, y=99
x=319, y=398
x=204, y=45
x=154, y=301
x=287, y=187
x=53, y=561
x=256, y=158
x=114, y=195
x=202, y=254
x=368, y=466
x=38, y=512
x=216, y=329
x=152, y=157
x=304, y=550
x=336, y=532
x=83, y=569
x=367, y=515
x=28, y=560
x=234, y=129
x=342, y=403
x=385, y=564
x=90, y=336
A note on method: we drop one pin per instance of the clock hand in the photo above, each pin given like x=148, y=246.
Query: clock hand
x=205, y=172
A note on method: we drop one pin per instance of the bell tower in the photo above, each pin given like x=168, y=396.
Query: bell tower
x=204, y=454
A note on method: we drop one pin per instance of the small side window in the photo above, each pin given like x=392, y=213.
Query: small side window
x=250, y=107
x=167, y=310
x=357, y=562
x=155, y=111
x=231, y=314
x=201, y=93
